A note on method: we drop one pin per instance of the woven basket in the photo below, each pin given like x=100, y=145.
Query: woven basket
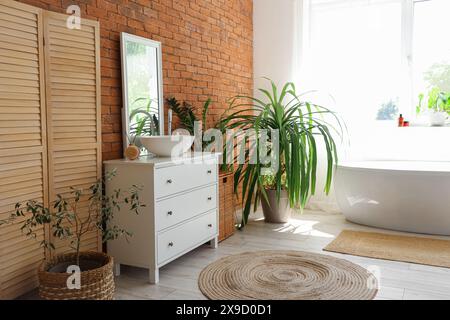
x=227, y=219
x=96, y=284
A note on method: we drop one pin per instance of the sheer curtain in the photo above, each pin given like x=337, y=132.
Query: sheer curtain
x=352, y=61
x=353, y=52
x=365, y=59
x=369, y=60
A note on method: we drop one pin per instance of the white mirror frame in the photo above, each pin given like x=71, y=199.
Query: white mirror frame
x=124, y=37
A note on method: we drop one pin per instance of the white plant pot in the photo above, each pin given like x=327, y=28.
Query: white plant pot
x=438, y=119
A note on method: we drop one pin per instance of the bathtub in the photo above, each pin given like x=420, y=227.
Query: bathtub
x=412, y=196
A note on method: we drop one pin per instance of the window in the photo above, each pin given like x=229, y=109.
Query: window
x=375, y=56
x=431, y=46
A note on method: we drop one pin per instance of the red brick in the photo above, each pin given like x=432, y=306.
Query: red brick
x=207, y=51
x=112, y=137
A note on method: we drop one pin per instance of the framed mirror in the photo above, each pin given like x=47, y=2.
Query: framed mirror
x=142, y=88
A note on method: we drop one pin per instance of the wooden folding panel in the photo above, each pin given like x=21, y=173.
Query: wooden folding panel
x=72, y=69
x=23, y=154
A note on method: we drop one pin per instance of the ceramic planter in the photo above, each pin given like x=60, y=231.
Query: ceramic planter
x=438, y=119
x=276, y=211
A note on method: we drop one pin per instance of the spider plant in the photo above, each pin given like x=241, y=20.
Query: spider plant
x=299, y=125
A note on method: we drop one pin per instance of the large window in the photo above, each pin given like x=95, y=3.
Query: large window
x=374, y=57
x=431, y=46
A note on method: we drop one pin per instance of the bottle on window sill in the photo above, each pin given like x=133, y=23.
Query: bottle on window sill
x=401, y=120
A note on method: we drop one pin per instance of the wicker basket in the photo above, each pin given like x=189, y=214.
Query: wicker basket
x=96, y=284
x=227, y=220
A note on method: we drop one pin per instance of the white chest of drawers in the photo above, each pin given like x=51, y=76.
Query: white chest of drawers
x=180, y=213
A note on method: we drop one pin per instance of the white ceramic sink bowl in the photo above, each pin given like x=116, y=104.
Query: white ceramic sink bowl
x=167, y=146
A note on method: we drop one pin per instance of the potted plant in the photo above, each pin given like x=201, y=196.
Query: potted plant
x=438, y=106
x=71, y=219
x=299, y=124
x=186, y=114
x=276, y=210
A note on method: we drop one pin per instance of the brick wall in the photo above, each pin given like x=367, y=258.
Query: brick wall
x=207, y=50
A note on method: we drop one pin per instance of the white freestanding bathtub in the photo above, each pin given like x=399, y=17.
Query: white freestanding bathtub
x=411, y=196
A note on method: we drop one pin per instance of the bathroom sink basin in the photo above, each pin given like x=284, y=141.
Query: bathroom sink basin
x=167, y=146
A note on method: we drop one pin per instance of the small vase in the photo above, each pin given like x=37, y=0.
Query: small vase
x=132, y=152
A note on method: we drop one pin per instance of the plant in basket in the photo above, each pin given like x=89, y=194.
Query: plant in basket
x=71, y=218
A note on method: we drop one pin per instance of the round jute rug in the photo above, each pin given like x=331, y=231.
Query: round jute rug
x=287, y=275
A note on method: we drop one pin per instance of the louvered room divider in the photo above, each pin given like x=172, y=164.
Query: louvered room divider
x=73, y=111
x=50, y=136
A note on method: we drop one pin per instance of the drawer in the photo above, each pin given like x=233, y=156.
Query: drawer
x=175, y=179
x=186, y=236
x=169, y=212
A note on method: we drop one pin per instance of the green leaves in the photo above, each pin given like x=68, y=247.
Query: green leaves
x=143, y=119
x=67, y=220
x=299, y=124
x=438, y=100
x=185, y=113
x=205, y=113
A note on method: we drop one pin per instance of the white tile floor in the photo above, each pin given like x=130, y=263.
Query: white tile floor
x=309, y=232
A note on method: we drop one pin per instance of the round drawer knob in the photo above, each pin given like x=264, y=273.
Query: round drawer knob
x=169, y=181
x=169, y=213
x=209, y=198
x=170, y=244
x=209, y=171
x=210, y=225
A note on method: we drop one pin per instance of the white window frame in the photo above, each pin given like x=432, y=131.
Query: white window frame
x=407, y=95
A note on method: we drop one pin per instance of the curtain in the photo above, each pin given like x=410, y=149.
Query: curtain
x=352, y=64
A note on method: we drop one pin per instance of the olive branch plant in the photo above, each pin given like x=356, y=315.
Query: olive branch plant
x=64, y=215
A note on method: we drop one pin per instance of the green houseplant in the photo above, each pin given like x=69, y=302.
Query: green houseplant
x=70, y=218
x=187, y=115
x=438, y=105
x=299, y=124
